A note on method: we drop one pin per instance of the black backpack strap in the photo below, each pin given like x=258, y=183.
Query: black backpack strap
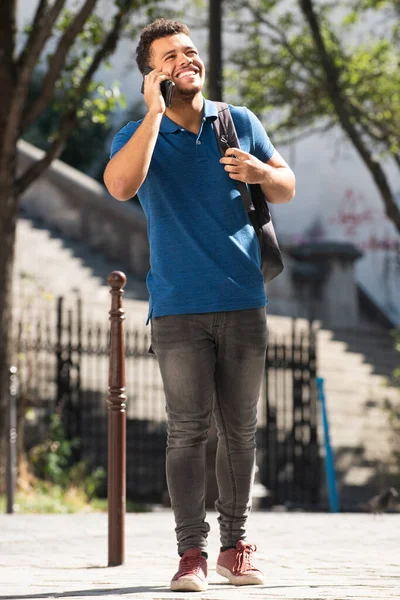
x=225, y=132
x=253, y=198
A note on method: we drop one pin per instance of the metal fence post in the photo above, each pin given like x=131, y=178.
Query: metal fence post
x=329, y=457
x=116, y=484
x=12, y=440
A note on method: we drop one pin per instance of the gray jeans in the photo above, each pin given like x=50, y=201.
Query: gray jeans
x=211, y=363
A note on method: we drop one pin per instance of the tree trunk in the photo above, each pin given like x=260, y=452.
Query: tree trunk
x=7, y=211
x=215, y=50
x=344, y=114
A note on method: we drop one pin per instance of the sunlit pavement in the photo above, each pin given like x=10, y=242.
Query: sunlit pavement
x=303, y=555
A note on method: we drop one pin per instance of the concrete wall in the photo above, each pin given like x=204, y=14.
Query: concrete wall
x=337, y=200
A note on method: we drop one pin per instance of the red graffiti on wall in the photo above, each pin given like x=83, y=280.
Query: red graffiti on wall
x=353, y=212
x=375, y=244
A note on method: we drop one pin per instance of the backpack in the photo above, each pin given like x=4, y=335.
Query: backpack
x=253, y=199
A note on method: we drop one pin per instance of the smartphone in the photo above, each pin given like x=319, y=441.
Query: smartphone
x=167, y=87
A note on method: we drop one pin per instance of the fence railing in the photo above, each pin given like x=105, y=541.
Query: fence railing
x=62, y=360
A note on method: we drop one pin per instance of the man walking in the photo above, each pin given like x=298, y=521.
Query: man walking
x=207, y=297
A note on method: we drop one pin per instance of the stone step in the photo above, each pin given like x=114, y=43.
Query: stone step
x=337, y=399
x=377, y=418
x=383, y=358
x=334, y=364
x=375, y=384
x=63, y=266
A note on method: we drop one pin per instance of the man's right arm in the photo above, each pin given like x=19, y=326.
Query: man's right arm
x=128, y=168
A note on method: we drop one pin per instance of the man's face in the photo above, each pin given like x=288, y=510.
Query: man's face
x=177, y=56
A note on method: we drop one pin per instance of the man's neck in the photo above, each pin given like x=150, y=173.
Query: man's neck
x=187, y=114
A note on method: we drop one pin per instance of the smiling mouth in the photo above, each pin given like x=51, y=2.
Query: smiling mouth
x=187, y=74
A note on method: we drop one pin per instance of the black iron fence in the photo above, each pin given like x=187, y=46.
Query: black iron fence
x=62, y=361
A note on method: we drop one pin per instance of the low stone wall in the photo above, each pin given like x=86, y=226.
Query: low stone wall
x=80, y=208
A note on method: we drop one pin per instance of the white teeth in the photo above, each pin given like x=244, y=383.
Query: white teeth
x=186, y=73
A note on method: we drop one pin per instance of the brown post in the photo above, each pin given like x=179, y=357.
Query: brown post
x=116, y=400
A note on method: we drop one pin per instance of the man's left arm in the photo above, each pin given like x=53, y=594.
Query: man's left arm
x=275, y=177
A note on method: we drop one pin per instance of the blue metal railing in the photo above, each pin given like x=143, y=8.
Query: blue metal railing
x=329, y=458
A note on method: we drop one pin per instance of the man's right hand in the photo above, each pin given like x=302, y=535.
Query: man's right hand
x=152, y=91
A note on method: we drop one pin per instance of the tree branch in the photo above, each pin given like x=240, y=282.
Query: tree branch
x=305, y=134
x=108, y=47
x=376, y=131
x=23, y=70
x=56, y=64
x=56, y=148
x=281, y=40
x=69, y=118
x=385, y=129
x=42, y=27
x=36, y=26
x=341, y=108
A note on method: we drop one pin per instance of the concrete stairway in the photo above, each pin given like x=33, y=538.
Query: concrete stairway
x=354, y=364
x=47, y=265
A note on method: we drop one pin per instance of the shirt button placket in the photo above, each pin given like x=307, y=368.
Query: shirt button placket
x=201, y=154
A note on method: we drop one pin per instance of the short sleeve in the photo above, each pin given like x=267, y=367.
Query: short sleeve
x=262, y=146
x=123, y=136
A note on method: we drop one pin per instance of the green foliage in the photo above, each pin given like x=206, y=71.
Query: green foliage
x=279, y=73
x=45, y=498
x=87, y=142
x=92, y=482
x=396, y=372
x=393, y=409
x=61, y=484
x=54, y=461
x=80, y=57
x=362, y=5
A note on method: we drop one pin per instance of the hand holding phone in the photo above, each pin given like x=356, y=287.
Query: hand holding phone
x=167, y=87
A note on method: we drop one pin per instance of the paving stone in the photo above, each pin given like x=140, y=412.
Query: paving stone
x=304, y=556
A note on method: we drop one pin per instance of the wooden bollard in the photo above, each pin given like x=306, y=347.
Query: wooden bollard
x=116, y=484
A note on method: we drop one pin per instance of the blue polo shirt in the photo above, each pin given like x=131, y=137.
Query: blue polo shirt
x=204, y=255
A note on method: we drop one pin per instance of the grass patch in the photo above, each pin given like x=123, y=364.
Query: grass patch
x=44, y=497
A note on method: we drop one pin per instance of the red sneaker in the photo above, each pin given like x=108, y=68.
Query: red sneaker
x=236, y=564
x=192, y=573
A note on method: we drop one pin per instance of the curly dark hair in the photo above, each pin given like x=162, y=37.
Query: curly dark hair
x=158, y=29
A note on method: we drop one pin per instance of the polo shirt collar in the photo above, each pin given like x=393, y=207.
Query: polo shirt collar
x=168, y=126
x=210, y=111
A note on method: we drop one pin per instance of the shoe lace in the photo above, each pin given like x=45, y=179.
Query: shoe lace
x=244, y=559
x=189, y=564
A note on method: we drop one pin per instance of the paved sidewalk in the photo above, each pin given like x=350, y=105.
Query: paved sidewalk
x=303, y=555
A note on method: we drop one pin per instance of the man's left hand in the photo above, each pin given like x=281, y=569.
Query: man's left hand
x=243, y=166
